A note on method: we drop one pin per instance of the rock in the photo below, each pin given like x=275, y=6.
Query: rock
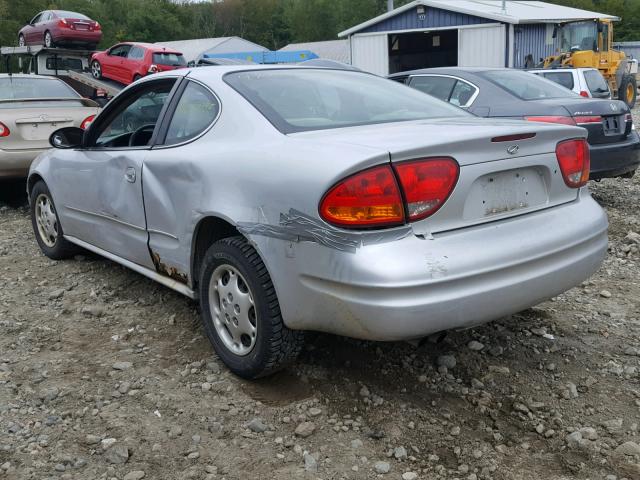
x=54, y=295
x=257, y=426
x=574, y=440
x=499, y=369
x=117, y=454
x=357, y=443
x=632, y=351
x=589, y=433
x=314, y=412
x=400, y=453
x=305, y=429
x=455, y=431
x=107, y=443
x=122, y=365
x=310, y=463
x=605, y=293
x=448, y=361
x=475, y=346
x=135, y=475
x=633, y=237
x=630, y=449
x=409, y=476
x=364, y=391
x=92, y=311
x=49, y=394
x=613, y=426
x=175, y=431
x=382, y=467
x=92, y=439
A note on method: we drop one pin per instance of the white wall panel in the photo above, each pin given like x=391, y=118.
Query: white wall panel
x=482, y=46
x=370, y=53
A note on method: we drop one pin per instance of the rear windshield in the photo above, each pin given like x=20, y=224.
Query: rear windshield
x=316, y=99
x=26, y=88
x=596, y=82
x=173, y=59
x=68, y=14
x=526, y=86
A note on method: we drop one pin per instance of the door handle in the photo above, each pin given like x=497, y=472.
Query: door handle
x=130, y=175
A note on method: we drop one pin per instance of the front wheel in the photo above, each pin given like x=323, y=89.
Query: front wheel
x=241, y=313
x=46, y=225
x=628, y=90
x=96, y=70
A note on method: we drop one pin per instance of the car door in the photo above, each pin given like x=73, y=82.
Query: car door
x=113, y=62
x=170, y=198
x=134, y=60
x=32, y=29
x=102, y=202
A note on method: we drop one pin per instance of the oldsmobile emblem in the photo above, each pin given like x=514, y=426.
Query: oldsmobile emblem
x=614, y=107
x=513, y=149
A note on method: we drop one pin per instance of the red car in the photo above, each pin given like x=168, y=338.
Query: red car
x=127, y=62
x=60, y=27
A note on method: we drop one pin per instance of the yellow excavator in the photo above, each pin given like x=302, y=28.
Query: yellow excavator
x=589, y=43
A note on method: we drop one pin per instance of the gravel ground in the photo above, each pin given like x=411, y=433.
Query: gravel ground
x=106, y=375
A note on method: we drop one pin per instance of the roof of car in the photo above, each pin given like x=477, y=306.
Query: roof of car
x=224, y=69
x=150, y=46
x=448, y=70
x=27, y=75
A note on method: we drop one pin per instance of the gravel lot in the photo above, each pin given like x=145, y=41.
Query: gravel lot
x=104, y=374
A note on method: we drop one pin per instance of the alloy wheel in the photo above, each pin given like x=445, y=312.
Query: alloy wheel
x=46, y=220
x=233, y=310
x=96, y=70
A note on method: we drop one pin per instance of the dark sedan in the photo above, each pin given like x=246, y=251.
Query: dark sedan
x=613, y=140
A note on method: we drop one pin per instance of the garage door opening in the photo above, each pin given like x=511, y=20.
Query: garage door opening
x=410, y=51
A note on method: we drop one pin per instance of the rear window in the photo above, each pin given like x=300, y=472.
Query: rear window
x=27, y=88
x=310, y=99
x=68, y=14
x=561, y=78
x=439, y=87
x=595, y=82
x=526, y=86
x=173, y=59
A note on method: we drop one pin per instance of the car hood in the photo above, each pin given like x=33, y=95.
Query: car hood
x=469, y=140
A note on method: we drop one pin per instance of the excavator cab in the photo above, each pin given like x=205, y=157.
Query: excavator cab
x=589, y=43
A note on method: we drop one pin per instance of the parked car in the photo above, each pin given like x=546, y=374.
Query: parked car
x=128, y=62
x=61, y=28
x=31, y=108
x=506, y=93
x=319, y=199
x=586, y=82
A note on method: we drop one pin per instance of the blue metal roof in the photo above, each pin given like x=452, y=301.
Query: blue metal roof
x=267, y=57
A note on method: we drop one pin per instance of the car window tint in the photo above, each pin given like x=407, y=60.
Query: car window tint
x=195, y=111
x=297, y=100
x=36, y=19
x=462, y=94
x=136, y=53
x=45, y=17
x=173, y=59
x=526, y=86
x=561, y=78
x=141, y=109
x=596, y=82
x=120, y=51
x=439, y=87
x=12, y=88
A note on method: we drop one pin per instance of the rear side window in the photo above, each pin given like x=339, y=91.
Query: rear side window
x=173, y=59
x=439, y=87
x=561, y=78
x=595, y=82
x=196, y=110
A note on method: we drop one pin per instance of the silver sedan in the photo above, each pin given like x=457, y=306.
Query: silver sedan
x=287, y=199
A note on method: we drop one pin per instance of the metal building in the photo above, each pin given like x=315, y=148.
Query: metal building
x=632, y=49
x=437, y=33
x=195, y=49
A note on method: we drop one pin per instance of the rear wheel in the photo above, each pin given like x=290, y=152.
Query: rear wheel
x=241, y=313
x=48, y=40
x=628, y=90
x=136, y=77
x=21, y=40
x=96, y=70
x=46, y=225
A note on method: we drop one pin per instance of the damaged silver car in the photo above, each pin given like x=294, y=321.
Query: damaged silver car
x=288, y=199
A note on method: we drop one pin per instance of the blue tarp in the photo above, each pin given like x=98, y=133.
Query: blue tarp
x=267, y=57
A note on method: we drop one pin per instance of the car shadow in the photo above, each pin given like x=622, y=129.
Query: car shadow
x=13, y=193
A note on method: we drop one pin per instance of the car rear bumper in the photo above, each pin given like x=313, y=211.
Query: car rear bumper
x=16, y=163
x=77, y=36
x=413, y=287
x=616, y=159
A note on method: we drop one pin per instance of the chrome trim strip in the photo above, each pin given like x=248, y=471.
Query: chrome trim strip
x=160, y=232
x=166, y=281
x=106, y=217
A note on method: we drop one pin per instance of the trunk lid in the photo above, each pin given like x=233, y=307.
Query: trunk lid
x=499, y=178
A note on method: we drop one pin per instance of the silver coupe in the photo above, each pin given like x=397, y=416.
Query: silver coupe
x=287, y=199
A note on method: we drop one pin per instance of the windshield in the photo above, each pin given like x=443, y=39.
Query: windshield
x=173, y=59
x=315, y=99
x=526, y=86
x=12, y=88
x=67, y=14
x=578, y=36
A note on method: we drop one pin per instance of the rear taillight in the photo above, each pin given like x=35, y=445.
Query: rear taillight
x=4, y=130
x=367, y=199
x=86, y=122
x=584, y=93
x=581, y=119
x=63, y=23
x=387, y=196
x=153, y=69
x=97, y=26
x=552, y=119
x=574, y=160
x=426, y=184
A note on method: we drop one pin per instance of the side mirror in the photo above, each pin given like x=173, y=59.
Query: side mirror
x=67, y=137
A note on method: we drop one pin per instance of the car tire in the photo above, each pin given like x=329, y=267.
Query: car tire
x=241, y=313
x=46, y=225
x=21, y=41
x=628, y=90
x=136, y=77
x=96, y=70
x=48, y=40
